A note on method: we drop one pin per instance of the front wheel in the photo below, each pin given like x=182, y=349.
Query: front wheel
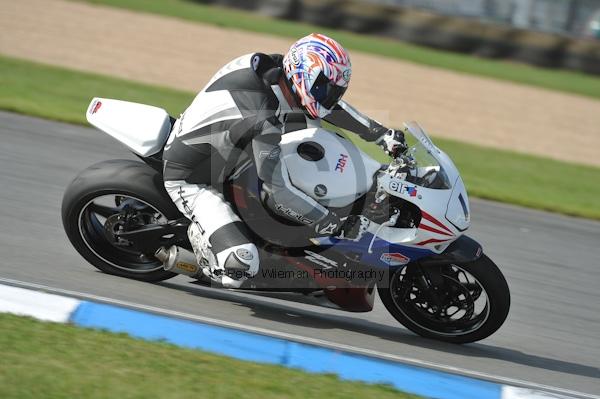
x=456, y=303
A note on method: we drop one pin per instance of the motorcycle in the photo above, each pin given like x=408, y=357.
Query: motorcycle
x=431, y=277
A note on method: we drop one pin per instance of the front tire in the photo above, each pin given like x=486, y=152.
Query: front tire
x=459, y=303
x=113, y=195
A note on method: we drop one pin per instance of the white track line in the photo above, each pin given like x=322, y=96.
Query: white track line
x=303, y=339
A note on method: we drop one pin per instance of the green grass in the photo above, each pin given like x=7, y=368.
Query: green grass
x=535, y=182
x=48, y=360
x=64, y=95
x=554, y=79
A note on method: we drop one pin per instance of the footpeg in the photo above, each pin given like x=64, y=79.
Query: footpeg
x=178, y=260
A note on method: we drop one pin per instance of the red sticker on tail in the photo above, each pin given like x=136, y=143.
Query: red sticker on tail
x=95, y=107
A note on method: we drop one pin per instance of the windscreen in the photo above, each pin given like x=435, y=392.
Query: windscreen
x=424, y=169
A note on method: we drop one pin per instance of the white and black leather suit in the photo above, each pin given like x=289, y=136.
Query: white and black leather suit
x=239, y=116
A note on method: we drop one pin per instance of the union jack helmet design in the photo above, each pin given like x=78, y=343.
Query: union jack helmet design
x=318, y=69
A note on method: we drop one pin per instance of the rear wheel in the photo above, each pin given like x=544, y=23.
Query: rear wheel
x=112, y=197
x=456, y=303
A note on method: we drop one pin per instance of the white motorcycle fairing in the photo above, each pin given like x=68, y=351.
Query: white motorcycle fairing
x=431, y=182
x=144, y=129
x=327, y=167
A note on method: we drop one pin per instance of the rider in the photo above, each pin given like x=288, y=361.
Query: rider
x=239, y=115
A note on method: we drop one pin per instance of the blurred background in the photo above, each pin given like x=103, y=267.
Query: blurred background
x=550, y=33
x=570, y=17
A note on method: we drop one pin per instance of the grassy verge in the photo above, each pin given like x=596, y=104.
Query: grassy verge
x=535, y=182
x=48, y=360
x=561, y=80
x=64, y=95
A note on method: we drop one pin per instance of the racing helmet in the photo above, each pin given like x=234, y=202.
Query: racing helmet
x=318, y=70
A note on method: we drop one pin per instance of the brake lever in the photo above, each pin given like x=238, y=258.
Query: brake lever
x=391, y=222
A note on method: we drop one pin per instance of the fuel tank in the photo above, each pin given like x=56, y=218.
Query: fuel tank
x=327, y=167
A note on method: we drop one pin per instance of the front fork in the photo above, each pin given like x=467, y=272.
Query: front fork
x=430, y=281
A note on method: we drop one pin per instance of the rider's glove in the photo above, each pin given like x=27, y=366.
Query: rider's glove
x=354, y=228
x=351, y=228
x=330, y=225
x=392, y=142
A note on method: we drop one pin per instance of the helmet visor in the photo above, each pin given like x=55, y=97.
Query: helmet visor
x=325, y=92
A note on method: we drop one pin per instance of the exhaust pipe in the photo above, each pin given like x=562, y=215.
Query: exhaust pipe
x=178, y=260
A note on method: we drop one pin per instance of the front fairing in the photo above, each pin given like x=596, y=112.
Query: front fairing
x=433, y=184
x=457, y=202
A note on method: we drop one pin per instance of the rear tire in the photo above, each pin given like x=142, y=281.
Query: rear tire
x=127, y=180
x=407, y=306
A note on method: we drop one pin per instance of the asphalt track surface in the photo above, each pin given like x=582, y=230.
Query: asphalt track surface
x=551, y=262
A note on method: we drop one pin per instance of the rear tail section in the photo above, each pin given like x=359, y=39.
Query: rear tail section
x=144, y=129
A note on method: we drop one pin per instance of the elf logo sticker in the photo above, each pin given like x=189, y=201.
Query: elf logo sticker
x=403, y=188
x=412, y=191
x=394, y=259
